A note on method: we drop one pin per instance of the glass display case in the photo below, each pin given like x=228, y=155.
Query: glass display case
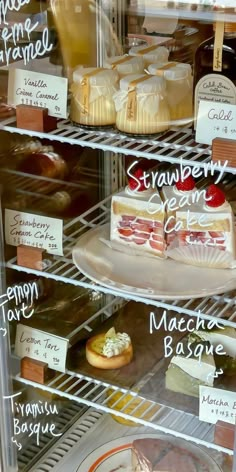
x=118, y=243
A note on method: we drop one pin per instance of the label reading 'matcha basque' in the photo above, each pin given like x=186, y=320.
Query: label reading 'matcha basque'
x=214, y=88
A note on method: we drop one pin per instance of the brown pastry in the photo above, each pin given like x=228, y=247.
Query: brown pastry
x=46, y=164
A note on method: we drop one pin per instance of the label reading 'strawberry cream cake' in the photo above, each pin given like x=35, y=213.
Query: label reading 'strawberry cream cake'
x=132, y=223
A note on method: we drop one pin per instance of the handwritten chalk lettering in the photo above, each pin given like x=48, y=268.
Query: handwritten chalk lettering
x=220, y=116
x=10, y=5
x=20, y=294
x=35, y=83
x=182, y=324
x=16, y=314
x=31, y=410
x=45, y=237
x=213, y=401
x=32, y=223
x=190, y=350
x=34, y=230
x=17, y=32
x=47, y=96
x=40, y=345
x=26, y=52
x=34, y=429
x=23, y=92
x=52, y=347
x=158, y=179
x=216, y=404
x=29, y=340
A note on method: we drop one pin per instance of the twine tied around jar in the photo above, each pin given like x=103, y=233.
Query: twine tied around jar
x=132, y=98
x=144, y=51
x=121, y=61
x=85, y=83
x=160, y=71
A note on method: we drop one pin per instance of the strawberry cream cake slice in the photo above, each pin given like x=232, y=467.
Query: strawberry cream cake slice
x=137, y=218
x=208, y=224
x=174, y=197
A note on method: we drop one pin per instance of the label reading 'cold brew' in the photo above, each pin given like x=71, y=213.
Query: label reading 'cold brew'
x=215, y=88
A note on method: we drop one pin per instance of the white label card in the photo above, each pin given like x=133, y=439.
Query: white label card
x=41, y=346
x=34, y=230
x=41, y=90
x=215, y=120
x=217, y=405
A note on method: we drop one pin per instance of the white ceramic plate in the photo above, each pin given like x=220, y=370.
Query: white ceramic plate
x=116, y=455
x=143, y=276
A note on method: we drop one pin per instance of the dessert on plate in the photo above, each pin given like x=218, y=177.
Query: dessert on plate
x=206, y=234
x=226, y=336
x=174, y=197
x=109, y=350
x=137, y=221
x=158, y=455
x=185, y=375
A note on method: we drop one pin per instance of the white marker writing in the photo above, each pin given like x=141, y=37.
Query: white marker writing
x=31, y=411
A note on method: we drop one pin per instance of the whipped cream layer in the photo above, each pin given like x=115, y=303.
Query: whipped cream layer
x=116, y=344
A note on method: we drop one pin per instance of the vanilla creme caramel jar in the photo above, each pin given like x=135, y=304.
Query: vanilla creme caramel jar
x=141, y=105
x=92, y=101
x=150, y=54
x=126, y=65
x=179, y=90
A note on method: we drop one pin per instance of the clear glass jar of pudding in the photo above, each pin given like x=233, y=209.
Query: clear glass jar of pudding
x=92, y=101
x=151, y=54
x=126, y=65
x=141, y=105
x=179, y=90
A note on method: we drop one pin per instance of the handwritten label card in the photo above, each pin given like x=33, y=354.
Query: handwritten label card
x=41, y=90
x=216, y=404
x=215, y=120
x=34, y=230
x=41, y=346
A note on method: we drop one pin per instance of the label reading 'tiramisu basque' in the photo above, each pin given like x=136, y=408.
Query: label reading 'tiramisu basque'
x=214, y=88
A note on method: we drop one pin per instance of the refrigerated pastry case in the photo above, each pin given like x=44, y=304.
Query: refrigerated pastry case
x=95, y=415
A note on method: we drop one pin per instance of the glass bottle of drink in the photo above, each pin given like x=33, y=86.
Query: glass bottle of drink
x=215, y=67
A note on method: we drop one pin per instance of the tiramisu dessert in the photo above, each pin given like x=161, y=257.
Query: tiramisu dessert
x=158, y=455
x=137, y=218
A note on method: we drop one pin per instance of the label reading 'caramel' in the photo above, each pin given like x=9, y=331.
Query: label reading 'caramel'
x=218, y=46
x=132, y=98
